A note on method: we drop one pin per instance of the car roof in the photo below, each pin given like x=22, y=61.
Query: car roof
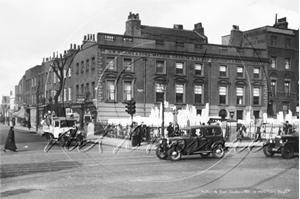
x=199, y=126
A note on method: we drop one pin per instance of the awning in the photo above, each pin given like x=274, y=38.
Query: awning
x=21, y=113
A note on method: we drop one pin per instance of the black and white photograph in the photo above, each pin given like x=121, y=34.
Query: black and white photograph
x=149, y=99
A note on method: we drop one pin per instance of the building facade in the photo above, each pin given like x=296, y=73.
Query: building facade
x=152, y=64
x=282, y=45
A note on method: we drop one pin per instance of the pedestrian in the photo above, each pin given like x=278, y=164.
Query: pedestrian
x=287, y=126
x=258, y=135
x=279, y=131
x=140, y=133
x=13, y=121
x=7, y=119
x=29, y=125
x=170, y=129
x=239, y=134
x=176, y=130
x=10, y=141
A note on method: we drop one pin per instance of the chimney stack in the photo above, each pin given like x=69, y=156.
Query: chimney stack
x=236, y=36
x=281, y=23
x=198, y=28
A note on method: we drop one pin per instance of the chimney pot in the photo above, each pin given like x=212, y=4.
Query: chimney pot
x=178, y=26
x=235, y=27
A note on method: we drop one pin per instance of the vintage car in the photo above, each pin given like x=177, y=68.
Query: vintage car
x=287, y=145
x=203, y=140
x=63, y=130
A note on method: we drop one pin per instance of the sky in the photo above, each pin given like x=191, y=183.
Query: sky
x=31, y=30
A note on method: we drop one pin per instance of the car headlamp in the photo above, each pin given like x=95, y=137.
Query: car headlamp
x=271, y=141
x=280, y=141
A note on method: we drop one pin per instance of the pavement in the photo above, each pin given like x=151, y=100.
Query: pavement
x=125, y=143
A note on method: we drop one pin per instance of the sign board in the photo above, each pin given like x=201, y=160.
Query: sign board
x=80, y=100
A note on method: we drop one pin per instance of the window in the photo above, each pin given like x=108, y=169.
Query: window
x=93, y=88
x=256, y=114
x=127, y=63
x=273, y=41
x=239, y=115
x=239, y=95
x=82, y=67
x=256, y=73
x=127, y=90
x=198, y=69
x=179, y=90
x=198, y=94
x=77, y=68
x=240, y=72
x=180, y=69
x=160, y=67
x=256, y=96
x=222, y=94
x=287, y=88
x=159, y=42
x=87, y=91
x=159, y=92
x=110, y=63
x=273, y=62
x=93, y=63
x=274, y=87
x=69, y=93
x=110, y=90
x=287, y=42
x=77, y=89
x=87, y=63
x=70, y=72
x=287, y=63
x=223, y=71
x=179, y=44
x=82, y=88
x=285, y=107
x=109, y=38
x=65, y=94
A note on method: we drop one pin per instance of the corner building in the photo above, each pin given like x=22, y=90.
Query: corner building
x=152, y=64
x=282, y=69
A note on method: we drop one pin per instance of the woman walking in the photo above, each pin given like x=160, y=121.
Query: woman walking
x=10, y=143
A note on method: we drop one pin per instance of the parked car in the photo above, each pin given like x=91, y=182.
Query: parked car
x=194, y=140
x=63, y=130
x=286, y=145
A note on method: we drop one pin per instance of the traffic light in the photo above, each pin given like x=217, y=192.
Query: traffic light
x=130, y=105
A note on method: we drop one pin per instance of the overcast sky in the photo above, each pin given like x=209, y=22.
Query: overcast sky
x=33, y=29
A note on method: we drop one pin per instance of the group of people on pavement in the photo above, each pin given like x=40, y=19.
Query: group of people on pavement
x=173, y=130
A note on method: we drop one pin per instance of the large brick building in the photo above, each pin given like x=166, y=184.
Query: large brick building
x=181, y=63
x=151, y=64
x=282, y=71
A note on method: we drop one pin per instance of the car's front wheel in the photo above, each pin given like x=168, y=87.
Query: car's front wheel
x=287, y=151
x=174, y=154
x=160, y=154
x=268, y=150
x=218, y=151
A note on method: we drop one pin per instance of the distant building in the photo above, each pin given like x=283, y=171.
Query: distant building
x=282, y=70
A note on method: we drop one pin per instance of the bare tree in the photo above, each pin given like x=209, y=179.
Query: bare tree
x=61, y=66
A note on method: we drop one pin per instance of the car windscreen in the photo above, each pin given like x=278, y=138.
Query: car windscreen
x=66, y=123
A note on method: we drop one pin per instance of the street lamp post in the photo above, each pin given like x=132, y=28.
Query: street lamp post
x=145, y=59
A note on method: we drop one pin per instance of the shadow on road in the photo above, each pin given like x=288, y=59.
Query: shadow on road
x=15, y=170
